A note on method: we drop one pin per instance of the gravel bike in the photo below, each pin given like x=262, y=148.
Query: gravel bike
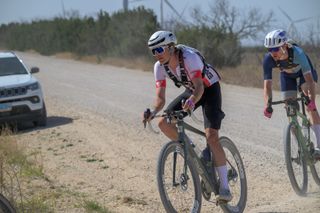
x=298, y=147
x=183, y=175
x=5, y=205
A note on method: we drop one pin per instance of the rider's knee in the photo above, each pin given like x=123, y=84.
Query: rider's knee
x=162, y=124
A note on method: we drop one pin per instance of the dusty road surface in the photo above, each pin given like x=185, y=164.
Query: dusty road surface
x=95, y=144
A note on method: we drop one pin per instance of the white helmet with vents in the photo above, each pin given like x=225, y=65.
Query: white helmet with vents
x=161, y=38
x=275, y=38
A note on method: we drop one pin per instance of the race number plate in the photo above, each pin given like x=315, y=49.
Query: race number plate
x=5, y=107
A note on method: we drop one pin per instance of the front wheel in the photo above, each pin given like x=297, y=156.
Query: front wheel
x=296, y=164
x=179, y=191
x=236, y=177
x=42, y=120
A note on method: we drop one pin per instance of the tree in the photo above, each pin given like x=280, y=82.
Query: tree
x=231, y=20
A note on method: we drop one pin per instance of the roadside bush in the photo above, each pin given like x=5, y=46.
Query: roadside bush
x=219, y=48
x=124, y=34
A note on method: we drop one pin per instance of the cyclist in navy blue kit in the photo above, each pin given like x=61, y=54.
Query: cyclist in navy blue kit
x=295, y=70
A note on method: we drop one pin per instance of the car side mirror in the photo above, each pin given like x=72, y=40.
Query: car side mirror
x=35, y=70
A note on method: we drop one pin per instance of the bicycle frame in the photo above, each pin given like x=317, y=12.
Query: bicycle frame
x=293, y=114
x=189, y=150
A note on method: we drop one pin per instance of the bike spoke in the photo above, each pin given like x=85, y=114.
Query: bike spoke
x=178, y=186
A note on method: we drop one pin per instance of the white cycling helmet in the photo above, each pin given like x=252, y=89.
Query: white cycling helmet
x=275, y=38
x=161, y=38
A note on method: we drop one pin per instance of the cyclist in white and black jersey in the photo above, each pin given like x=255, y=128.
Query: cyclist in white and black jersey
x=186, y=67
x=193, y=68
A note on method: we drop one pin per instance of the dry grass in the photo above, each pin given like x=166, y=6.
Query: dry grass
x=140, y=63
x=249, y=73
x=17, y=171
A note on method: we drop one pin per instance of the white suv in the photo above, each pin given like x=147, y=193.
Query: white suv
x=21, y=97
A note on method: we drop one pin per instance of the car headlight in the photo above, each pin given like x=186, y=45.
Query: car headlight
x=33, y=86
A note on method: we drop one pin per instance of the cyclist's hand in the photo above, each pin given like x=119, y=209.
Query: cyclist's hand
x=148, y=115
x=268, y=112
x=312, y=106
x=188, y=105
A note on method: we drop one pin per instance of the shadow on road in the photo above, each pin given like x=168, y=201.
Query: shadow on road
x=52, y=121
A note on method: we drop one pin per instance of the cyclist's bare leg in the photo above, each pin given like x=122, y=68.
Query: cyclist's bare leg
x=220, y=163
x=213, y=141
x=170, y=130
x=313, y=115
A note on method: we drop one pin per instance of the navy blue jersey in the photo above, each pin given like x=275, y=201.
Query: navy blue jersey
x=300, y=60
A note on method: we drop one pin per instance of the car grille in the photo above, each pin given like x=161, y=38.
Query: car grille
x=9, y=92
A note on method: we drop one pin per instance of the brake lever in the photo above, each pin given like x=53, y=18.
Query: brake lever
x=146, y=115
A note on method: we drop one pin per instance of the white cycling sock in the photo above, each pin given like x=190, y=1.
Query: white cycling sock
x=316, y=130
x=222, y=172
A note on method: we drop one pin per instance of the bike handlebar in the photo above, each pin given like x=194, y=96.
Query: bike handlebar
x=303, y=98
x=285, y=101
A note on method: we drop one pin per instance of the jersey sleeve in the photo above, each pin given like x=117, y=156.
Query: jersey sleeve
x=301, y=59
x=159, y=75
x=193, y=64
x=268, y=64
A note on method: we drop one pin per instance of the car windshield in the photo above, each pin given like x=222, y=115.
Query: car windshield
x=11, y=66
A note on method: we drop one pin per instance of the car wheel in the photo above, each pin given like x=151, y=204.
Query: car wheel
x=42, y=121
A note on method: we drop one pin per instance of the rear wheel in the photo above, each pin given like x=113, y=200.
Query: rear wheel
x=5, y=205
x=179, y=192
x=315, y=171
x=296, y=164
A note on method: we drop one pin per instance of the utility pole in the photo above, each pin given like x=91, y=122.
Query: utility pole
x=125, y=5
x=161, y=13
x=63, y=10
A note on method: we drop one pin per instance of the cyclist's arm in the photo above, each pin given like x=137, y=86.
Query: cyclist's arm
x=160, y=99
x=198, y=90
x=160, y=79
x=309, y=85
x=301, y=58
x=268, y=64
x=267, y=91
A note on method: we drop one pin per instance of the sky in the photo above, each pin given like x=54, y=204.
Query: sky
x=28, y=10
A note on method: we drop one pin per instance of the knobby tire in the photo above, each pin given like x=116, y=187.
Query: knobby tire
x=165, y=188
x=295, y=160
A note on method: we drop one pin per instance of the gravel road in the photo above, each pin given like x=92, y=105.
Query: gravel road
x=95, y=114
